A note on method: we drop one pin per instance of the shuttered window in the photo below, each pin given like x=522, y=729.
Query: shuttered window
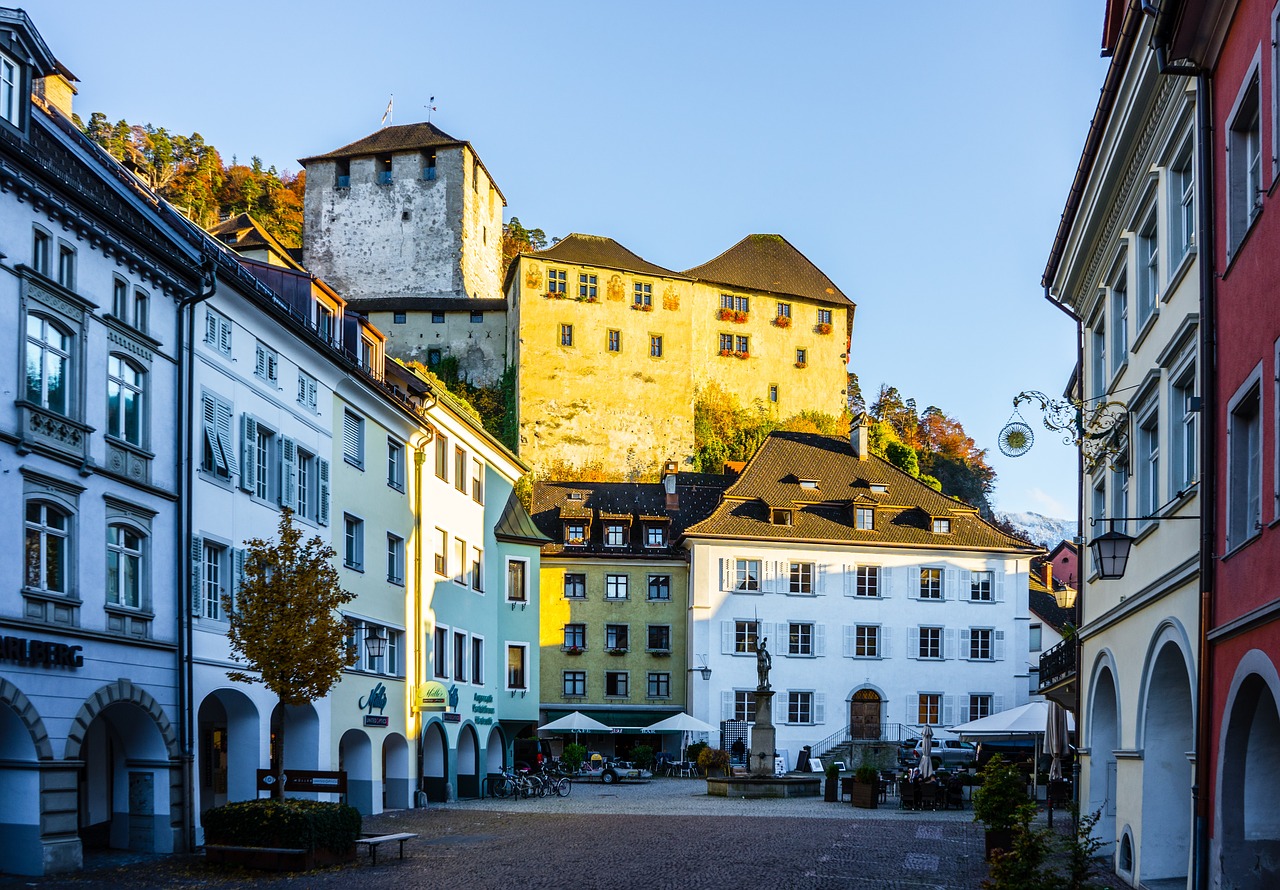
x=353, y=439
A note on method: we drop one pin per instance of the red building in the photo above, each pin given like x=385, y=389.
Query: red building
x=1231, y=45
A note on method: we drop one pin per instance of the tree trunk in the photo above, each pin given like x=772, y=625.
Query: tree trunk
x=277, y=787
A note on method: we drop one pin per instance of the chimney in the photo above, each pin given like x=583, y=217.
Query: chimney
x=669, y=472
x=858, y=438
x=56, y=90
x=1046, y=575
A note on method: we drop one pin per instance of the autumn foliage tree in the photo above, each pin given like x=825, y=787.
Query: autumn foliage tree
x=516, y=239
x=285, y=627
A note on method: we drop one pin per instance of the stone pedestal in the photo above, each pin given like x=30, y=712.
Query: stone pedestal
x=763, y=736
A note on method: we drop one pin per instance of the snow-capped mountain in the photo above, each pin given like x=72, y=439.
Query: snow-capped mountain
x=1043, y=530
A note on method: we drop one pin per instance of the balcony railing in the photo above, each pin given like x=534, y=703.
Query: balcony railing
x=1057, y=664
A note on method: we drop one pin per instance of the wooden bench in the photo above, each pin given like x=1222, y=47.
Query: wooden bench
x=375, y=841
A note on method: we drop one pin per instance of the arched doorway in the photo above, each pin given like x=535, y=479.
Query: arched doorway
x=20, y=791
x=124, y=782
x=301, y=730
x=1250, y=771
x=396, y=781
x=1104, y=739
x=230, y=743
x=468, y=762
x=495, y=752
x=435, y=763
x=1166, y=773
x=864, y=714
x=355, y=757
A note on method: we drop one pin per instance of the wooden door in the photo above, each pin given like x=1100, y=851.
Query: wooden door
x=864, y=714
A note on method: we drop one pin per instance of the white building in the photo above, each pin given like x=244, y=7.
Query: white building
x=883, y=601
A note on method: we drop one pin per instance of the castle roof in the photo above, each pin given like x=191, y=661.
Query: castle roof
x=771, y=264
x=820, y=480
x=602, y=252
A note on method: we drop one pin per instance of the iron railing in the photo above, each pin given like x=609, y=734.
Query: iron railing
x=1057, y=664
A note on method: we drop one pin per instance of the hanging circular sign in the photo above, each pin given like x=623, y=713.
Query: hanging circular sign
x=1016, y=439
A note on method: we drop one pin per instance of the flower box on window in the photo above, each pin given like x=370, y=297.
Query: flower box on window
x=660, y=653
x=733, y=315
x=642, y=307
x=782, y=321
x=802, y=364
x=587, y=299
x=742, y=355
x=726, y=353
x=618, y=650
x=573, y=650
x=823, y=328
x=553, y=295
x=575, y=542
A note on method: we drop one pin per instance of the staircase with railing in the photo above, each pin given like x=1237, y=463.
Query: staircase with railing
x=840, y=744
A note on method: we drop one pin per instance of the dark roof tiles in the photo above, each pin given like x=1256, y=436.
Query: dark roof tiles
x=406, y=137
x=605, y=253
x=771, y=264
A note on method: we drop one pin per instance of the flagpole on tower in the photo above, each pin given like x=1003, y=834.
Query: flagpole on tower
x=386, y=115
x=431, y=106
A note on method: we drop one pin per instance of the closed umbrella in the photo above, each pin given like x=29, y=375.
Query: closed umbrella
x=1055, y=739
x=926, y=756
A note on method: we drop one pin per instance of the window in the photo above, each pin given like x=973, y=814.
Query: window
x=800, y=639
x=747, y=574
x=213, y=562
x=744, y=705
x=141, y=309
x=399, y=317
x=575, y=586
x=440, y=653
x=575, y=684
x=575, y=533
x=367, y=353
x=1182, y=203
x=566, y=335
x=392, y=666
x=744, y=637
x=930, y=643
x=48, y=531
x=575, y=636
x=442, y=457
x=737, y=304
x=459, y=657
x=556, y=281
x=1244, y=467
x=1035, y=635
x=659, y=685
x=655, y=536
x=353, y=438
x=517, y=581
x=616, y=684
x=615, y=636
x=742, y=344
x=979, y=706
x=659, y=638
x=726, y=342
x=477, y=569
x=395, y=559
x=219, y=455
x=931, y=584
x=1098, y=356
x=655, y=346
x=1183, y=431
x=615, y=587
x=864, y=518
x=261, y=440
x=801, y=578
x=802, y=357
x=868, y=581
x=586, y=286
x=1120, y=493
x=477, y=481
x=382, y=168
x=800, y=707
x=460, y=469
x=304, y=502
x=643, y=293
x=866, y=641
x=477, y=317
x=1148, y=272
x=981, y=585
x=784, y=310
x=395, y=464
x=306, y=390
x=773, y=392
x=460, y=562
x=442, y=553
x=979, y=644
x=1244, y=165
x=614, y=535
x=9, y=90
x=942, y=526
x=659, y=588
x=437, y=317
x=342, y=173
x=824, y=316
x=266, y=365
x=124, y=401
x=67, y=266
x=353, y=542
x=120, y=298
x=324, y=324
x=48, y=365
x=1148, y=461
x=217, y=332
x=614, y=343
x=477, y=661
x=929, y=709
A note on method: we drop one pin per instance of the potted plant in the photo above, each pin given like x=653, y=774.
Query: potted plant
x=999, y=803
x=782, y=321
x=831, y=790
x=713, y=762
x=865, y=790
x=573, y=650
x=692, y=753
x=801, y=364
x=573, y=756
x=823, y=328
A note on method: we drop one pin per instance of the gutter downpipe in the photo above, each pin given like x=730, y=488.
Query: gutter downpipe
x=184, y=432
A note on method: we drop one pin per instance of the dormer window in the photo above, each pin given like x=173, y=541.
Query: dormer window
x=324, y=322
x=575, y=495
x=780, y=516
x=575, y=534
x=615, y=535
x=864, y=518
x=810, y=484
x=942, y=526
x=655, y=536
x=10, y=92
x=879, y=488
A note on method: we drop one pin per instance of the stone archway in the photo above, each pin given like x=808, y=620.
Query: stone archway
x=435, y=763
x=1104, y=739
x=866, y=715
x=1249, y=770
x=1165, y=841
x=229, y=740
x=20, y=834
x=468, y=762
x=355, y=757
x=495, y=751
x=301, y=749
x=396, y=780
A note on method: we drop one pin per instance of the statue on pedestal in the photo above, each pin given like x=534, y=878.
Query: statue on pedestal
x=764, y=661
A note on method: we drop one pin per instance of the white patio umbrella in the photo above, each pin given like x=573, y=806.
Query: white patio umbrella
x=1025, y=721
x=682, y=723
x=575, y=723
x=1055, y=739
x=926, y=756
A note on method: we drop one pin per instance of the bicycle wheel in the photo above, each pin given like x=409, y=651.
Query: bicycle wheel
x=563, y=787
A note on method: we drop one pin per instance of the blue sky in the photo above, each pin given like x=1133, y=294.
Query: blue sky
x=920, y=153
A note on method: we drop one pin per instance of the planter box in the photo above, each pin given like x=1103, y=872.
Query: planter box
x=276, y=858
x=865, y=795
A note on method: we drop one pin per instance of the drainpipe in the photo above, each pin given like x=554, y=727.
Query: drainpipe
x=183, y=434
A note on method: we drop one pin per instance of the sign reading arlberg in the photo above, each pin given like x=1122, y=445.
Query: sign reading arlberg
x=305, y=780
x=40, y=652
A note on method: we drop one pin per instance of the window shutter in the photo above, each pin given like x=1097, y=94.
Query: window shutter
x=302, y=389
x=210, y=328
x=225, y=437
x=238, y=555
x=997, y=649
x=904, y=578
x=948, y=710
x=822, y=580
x=768, y=576
x=888, y=576
x=726, y=705
x=819, y=639
x=913, y=585
x=260, y=361
x=726, y=637
x=850, y=636
x=197, y=574
x=273, y=367
x=964, y=590
x=883, y=645
x=819, y=707
x=288, y=473
x=913, y=642
x=964, y=643
x=351, y=436
x=913, y=709
x=965, y=716
x=949, y=642
x=248, y=451
x=725, y=569
x=322, y=500
x=949, y=585
x=224, y=336
x=849, y=580
x=997, y=582
x=997, y=704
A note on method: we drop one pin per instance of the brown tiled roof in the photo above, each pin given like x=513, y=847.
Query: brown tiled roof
x=426, y=304
x=697, y=493
x=904, y=512
x=605, y=253
x=406, y=137
x=515, y=525
x=1046, y=606
x=771, y=264
x=242, y=232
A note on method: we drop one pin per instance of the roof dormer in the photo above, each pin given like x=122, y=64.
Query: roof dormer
x=25, y=60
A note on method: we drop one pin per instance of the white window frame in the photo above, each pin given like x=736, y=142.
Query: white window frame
x=1147, y=430
x=742, y=576
x=1243, y=192
x=352, y=542
x=921, y=584
x=660, y=678
x=10, y=90
x=802, y=645
x=615, y=582
x=217, y=331
x=266, y=363
x=395, y=464
x=524, y=573
x=477, y=660
x=1182, y=202
x=864, y=518
x=1147, y=269
x=395, y=558
x=1184, y=427
x=870, y=638
x=868, y=578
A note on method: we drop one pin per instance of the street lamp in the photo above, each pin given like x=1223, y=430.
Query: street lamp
x=1110, y=551
x=375, y=644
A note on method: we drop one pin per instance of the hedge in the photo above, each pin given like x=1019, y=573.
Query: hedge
x=300, y=824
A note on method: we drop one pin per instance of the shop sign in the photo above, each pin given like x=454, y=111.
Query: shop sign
x=452, y=718
x=432, y=696
x=305, y=780
x=40, y=652
x=376, y=720
x=377, y=698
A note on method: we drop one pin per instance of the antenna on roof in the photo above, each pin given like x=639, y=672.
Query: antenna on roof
x=430, y=106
